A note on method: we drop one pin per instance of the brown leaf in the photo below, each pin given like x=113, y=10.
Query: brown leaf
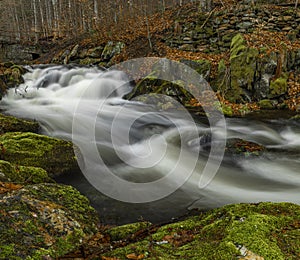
x=109, y=258
x=134, y=256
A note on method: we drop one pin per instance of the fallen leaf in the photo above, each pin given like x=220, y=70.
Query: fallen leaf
x=134, y=256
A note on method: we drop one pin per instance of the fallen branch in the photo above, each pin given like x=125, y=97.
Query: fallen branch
x=209, y=15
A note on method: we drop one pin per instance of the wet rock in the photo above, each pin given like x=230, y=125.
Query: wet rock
x=13, y=124
x=29, y=149
x=239, y=147
x=44, y=220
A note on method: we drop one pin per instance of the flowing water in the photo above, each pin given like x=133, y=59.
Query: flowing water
x=125, y=148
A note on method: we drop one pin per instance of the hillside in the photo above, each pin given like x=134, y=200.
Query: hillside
x=270, y=56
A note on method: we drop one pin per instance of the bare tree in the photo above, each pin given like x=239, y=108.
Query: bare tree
x=36, y=19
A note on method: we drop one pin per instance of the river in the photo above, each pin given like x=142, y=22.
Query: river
x=139, y=162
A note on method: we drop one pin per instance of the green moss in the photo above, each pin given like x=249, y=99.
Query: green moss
x=29, y=149
x=266, y=104
x=261, y=228
x=296, y=117
x=12, y=75
x=22, y=174
x=7, y=252
x=237, y=46
x=278, y=87
x=152, y=84
x=89, y=61
x=122, y=232
x=227, y=110
x=32, y=175
x=242, y=68
x=222, y=82
x=12, y=124
x=44, y=219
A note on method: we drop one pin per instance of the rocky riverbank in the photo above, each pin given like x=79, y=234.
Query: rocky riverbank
x=250, y=57
x=41, y=219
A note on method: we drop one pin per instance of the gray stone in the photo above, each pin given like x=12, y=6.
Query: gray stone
x=111, y=49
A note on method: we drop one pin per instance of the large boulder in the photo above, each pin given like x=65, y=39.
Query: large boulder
x=10, y=76
x=28, y=149
x=44, y=221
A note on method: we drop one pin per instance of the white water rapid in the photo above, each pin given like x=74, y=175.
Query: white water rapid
x=140, y=145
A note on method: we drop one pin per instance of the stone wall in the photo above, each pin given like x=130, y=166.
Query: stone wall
x=212, y=32
x=19, y=53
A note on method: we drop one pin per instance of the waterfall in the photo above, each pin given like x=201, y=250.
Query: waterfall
x=136, y=153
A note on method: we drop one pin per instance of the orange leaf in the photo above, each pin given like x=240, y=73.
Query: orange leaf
x=134, y=256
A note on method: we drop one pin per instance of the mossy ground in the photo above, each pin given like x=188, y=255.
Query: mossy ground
x=270, y=230
x=12, y=124
x=44, y=219
x=22, y=174
x=29, y=149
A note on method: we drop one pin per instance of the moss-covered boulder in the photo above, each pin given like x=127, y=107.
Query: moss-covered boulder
x=43, y=221
x=22, y=174
x=155, y=83
x=278, y=87
x=13, y=75
x=28, y=149
x=240, y=231
x=242, y=69
x=266, y=104
x=10, y=76
x=12, y=124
